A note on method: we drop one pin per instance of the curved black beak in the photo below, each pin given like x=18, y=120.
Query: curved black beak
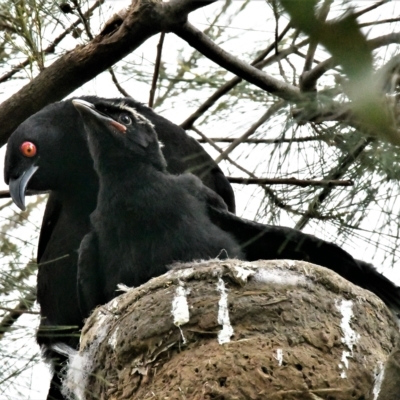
x=18, y=186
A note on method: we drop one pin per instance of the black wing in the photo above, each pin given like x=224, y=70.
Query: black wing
x=89, y=277
x=50, y=218
x=267, y=242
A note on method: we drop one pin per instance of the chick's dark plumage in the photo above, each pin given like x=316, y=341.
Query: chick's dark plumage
x=145, y=218
x=158, y=204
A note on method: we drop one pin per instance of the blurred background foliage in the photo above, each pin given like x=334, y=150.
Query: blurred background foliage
x=344, y=129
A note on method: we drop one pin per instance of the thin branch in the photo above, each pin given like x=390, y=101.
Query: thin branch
x=289, y=181
x=183, y=66
x=370, y=8
x=322, y=15
x=5, y=194
x=270, y=141
x=276, y=30
x=206, y=139
x=267, y=115
x=278, y=202
x=310, y=78
x=83, y=18
x=228, y=86
x=24, y=305
x=272, y=46
x=335, y=174
x=375, y=23
x=269, y=192
x=51, y=48
x=14, y=310
x=211, y=50
x=156, y=69
x=117, y=84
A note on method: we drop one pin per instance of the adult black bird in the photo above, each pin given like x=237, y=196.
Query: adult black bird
x=146, y=218
x=49, y=152
x=66, y=169
x=162, y=218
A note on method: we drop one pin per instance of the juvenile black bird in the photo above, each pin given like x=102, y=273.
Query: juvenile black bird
x=138, y=232
x=49, y=152
x=146, y=218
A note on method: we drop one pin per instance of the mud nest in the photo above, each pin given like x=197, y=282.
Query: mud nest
x=234, y=330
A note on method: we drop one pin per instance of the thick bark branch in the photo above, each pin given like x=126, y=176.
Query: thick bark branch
x=69, y=72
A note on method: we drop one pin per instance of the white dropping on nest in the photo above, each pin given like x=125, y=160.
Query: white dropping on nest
x=113, y=340
x=350, y=337
x=180, y=309
x=279, y=356
x=224, y=335
x=380, y=373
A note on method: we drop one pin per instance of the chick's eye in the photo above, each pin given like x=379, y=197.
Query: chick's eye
x=125, y=119
x=28, y=149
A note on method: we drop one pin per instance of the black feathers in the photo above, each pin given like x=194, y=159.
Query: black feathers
x=155, y=204
x=157, y=218
x=64, y=167
x=145, y=218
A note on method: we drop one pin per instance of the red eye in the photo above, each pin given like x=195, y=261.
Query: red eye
x=28, y=149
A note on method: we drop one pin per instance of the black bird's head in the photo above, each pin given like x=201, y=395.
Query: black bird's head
x=118, y=132
x=48, y=151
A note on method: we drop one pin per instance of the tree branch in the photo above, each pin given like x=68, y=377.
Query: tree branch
x=83, y=18
x=268, y=141
x=211, y=50
x=271, y=111
x=322, y=15
x=117, y=84
x=51, y=48
x=5, y=194
x=311, y=77
x=224, y=89
x=337, y=173
x=24, y=305
x=289, y=181
x=156, y=69
x=278, y=202
x=71, y=71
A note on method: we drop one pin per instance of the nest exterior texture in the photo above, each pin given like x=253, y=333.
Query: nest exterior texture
x=233, y=330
